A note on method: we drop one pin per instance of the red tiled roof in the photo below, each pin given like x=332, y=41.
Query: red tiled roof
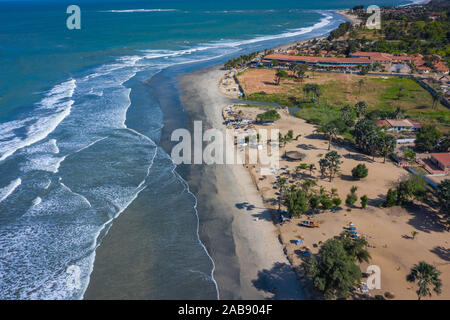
x=382, y=123
x=375, y=56
x=443, y=158
x=317, y=59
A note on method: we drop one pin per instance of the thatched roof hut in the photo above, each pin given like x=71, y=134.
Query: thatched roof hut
x=295, y=156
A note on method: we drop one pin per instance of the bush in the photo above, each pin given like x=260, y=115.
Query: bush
x=327, y=204
x=337, y=202
x=351, y=199
x=271, y=115
x=360, y=172
x=364, y=201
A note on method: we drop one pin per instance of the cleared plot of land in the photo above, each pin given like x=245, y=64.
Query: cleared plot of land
x=338, y=90
x=388, y=230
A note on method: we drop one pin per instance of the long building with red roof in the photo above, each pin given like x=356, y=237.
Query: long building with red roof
x=318, y=61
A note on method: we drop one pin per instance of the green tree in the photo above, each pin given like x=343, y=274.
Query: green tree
x=360, y=171
x=443, y=196
x=366, y=135
x=351, y=198
x=333, y=162
x=427, y=138
x=364, y=201
x=279, y=75
x=391, y=198
x=361, y=108
x=356, y=249
x=297, y=202
x=387, y=145
x=348, y=115
x=335, y=272
x=326, y=203
x=414, y=187
x=271, y=115
x=427, y=278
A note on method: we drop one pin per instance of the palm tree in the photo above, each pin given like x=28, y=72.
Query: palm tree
x=436, y=98
x=278, y=77
x=425, y=275
x=387, y=145
x=414, y=234
x=361, y=108
x=356, y=249
x=331, y=131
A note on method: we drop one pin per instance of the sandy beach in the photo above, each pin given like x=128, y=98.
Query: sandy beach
x=228, y=205
x=388, y=231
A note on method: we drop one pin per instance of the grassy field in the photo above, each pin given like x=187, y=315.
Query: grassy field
x=338, y=90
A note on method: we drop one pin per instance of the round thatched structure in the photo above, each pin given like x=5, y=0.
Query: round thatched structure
x=295, y=156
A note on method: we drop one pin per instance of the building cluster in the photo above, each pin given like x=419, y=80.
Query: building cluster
x=401, y=63
x=398, y=125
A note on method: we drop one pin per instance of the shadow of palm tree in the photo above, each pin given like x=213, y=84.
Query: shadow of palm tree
x=441, y=252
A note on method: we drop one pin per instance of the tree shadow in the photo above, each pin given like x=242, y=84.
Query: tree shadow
x=264, y=215
x=280, y=281
x=380, y=199
x=358, y=157
x=441, y=252
x=305, y=146
x=424, y=218
x=245, y=206
x=347, y=177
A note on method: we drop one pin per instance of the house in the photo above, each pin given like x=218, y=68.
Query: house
x=398, y=125
x=441, y=160
x=374, y=57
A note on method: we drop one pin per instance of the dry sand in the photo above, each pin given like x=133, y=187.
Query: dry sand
x=387, y=230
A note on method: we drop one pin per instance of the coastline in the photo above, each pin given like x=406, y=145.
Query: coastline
x=260, y=269
x=248, y=256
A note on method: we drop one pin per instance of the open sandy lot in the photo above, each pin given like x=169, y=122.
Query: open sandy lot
x=387, y=230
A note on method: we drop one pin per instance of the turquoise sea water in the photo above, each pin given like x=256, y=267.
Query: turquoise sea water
x=79, y=132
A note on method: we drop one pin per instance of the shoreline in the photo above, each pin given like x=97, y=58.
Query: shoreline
x=224, y=234
x=259, y=255
x=245, y=252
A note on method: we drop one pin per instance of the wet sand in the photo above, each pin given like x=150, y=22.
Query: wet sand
x=250, y=263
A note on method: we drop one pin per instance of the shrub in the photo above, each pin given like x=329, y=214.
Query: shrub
x=326, y=203
x=351, y=199
x=271, y=115
x=360, y=172
x=364, y=201
x=337, y=202
x=391, y=198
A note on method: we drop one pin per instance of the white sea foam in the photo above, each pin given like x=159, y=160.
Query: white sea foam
x=292, y=33
x=37, y=201
x=59, y=99
x=55, y=107
x=140, y=10
x=9, y=189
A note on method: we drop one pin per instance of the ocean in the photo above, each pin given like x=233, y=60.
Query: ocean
x=80, y=130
